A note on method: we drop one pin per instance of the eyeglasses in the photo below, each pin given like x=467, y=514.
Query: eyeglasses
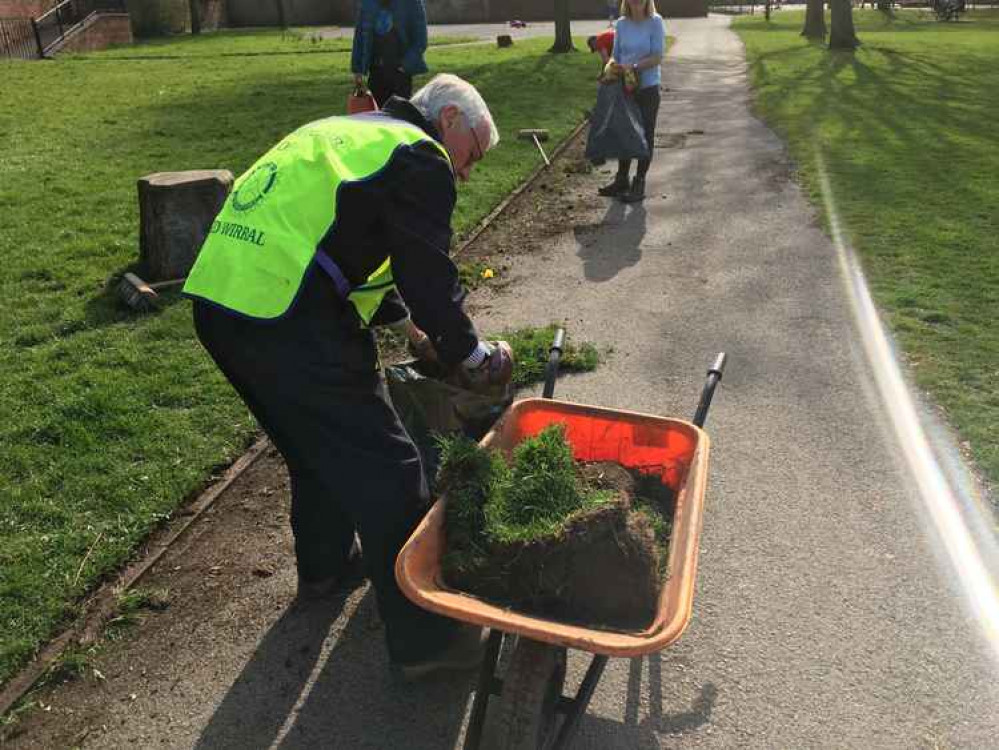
x=478, y=144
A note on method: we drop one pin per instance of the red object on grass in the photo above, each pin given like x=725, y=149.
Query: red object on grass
x=361, y=101
x=605, y=42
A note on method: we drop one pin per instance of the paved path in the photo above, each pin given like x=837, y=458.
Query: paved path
x=821, y=616
x=821, y=619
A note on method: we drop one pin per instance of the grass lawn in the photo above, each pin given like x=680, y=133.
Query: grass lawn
x=908, y=127
x=246, y=42
x=109, y=420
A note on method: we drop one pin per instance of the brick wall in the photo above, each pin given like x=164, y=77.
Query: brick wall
x=682, y=8
x=24, y=8
x=319, y=12
x=106, y=29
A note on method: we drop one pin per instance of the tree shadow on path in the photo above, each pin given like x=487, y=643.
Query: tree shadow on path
x=648, y=732
x=294, y=695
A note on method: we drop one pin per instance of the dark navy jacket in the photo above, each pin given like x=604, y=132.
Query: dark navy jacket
x=405, y=210
x=410, y=21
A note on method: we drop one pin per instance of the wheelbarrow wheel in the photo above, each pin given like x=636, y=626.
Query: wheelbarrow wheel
x=532, y=687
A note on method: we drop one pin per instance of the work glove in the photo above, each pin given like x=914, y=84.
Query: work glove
x=421, y=347
x=495, y=372
x=418, y=343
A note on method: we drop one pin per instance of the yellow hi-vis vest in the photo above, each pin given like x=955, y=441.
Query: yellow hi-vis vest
x=266, y=235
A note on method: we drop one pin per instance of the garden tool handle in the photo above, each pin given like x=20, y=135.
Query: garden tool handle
x=551, y=369
x=715, y=373
x=543, y=154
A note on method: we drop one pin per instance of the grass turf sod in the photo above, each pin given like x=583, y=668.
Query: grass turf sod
x=551, y=536
x=906, y=127
x=109, y=420
x=531, y=346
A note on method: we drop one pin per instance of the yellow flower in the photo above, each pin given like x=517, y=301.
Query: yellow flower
x=487, y=273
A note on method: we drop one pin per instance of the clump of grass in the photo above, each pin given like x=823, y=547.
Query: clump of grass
x=491, y=502
x=74, y=664
x=468, y=475
x=543, y=491
x=530, y=348
x=132, y=603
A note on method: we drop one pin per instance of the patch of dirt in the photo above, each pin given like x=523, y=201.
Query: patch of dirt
x=579, y=576
x=559, y=199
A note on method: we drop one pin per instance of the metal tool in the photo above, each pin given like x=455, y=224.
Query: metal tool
x=537, y=135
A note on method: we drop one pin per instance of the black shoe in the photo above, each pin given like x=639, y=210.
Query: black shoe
x=348, y=578
x=464, y=651
x=636, y=193
x=618, y=187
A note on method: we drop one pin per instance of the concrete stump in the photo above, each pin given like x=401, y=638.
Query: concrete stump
x=176, y=210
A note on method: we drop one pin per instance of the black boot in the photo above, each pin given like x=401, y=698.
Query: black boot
x=618, y=187
x=637, y=191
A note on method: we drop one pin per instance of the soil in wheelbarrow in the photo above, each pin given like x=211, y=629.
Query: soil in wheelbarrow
x=548, y=536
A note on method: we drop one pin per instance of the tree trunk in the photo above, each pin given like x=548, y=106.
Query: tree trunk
x=195, y=16
x=563, y=32
x=842, y=34
x=282, y=18
x=815, y=20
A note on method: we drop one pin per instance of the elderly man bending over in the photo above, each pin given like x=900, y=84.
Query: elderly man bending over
x=321, y=239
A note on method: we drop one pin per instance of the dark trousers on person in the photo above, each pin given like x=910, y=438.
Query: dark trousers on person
x=311, y=380
x=648, y=104
x=384, y=82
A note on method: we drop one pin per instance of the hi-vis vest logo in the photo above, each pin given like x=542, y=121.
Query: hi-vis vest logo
x=238, y=232
x=255, y=187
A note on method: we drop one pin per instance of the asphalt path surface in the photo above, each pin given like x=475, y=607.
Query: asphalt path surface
x=822, y=618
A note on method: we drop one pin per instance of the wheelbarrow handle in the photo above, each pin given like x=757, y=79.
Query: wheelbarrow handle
x=551, y=369
x=715, y=373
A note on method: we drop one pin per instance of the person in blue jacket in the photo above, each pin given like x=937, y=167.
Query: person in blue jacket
x=390, y=40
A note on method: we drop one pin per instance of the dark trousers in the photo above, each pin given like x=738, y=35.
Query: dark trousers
x=311, y=380
x=648, y=103
x=385, y=82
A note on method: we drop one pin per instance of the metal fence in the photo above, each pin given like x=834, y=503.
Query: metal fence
x=17, y=39
x=56, y=23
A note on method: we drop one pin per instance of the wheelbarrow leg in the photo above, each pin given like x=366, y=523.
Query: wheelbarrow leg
x=487, y=678
x=576, y=707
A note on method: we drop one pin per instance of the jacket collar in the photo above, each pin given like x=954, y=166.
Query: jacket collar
x=402, y=109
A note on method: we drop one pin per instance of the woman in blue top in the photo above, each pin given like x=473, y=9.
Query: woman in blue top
x=390, y=39
x=640, y=35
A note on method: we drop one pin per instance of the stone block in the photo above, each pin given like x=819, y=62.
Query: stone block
x=176, y=210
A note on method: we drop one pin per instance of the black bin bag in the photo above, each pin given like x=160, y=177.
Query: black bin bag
x=616, y=130
x=428, y=406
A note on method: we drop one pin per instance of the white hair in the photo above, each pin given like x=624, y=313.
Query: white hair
x=445, y=89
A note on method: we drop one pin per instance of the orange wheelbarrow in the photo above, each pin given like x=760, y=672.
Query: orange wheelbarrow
x=530, y=691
